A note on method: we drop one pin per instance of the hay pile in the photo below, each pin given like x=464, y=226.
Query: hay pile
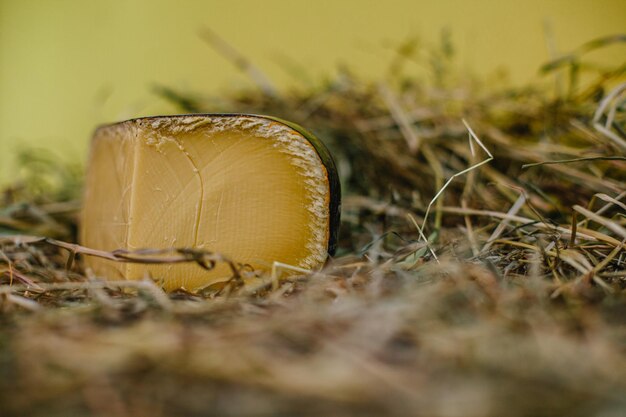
x=513, y=304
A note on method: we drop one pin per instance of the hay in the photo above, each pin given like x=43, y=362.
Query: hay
x=512, y=302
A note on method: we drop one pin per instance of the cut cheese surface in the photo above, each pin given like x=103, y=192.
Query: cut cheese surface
x=250, y=188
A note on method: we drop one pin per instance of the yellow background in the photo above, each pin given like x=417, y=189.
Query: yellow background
x=67, y=65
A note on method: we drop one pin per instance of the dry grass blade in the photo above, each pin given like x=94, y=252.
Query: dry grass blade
x=399, y=115
x=472, y=137
x=239, y=60
x=608, y=109
x=611, y=201
x=518, y=219
x=505, y=221
x=612, y=226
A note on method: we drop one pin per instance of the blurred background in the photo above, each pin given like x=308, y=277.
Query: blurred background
x=68, y=65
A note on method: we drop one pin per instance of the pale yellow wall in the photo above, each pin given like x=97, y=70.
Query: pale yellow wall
x=66, y=65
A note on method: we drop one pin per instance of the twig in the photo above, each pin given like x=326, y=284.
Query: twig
x=569, y=161
x=203, y=258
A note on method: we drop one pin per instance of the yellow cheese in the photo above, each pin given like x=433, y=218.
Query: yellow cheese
x=248, y=187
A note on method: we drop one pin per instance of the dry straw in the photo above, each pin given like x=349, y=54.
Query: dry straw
x=497, y=289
